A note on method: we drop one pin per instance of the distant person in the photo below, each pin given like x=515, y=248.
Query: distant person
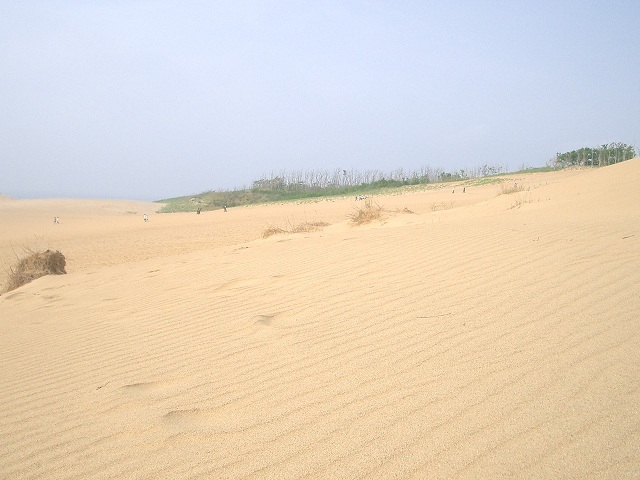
x=453, y=190
x=225, y=208
x=198, y=211
x=464, y=189
x=145, y=217
x=56, y=219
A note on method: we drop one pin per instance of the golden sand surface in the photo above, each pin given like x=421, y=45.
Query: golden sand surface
x=465, y=335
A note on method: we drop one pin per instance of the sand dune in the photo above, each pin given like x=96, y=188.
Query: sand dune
x=495, y=336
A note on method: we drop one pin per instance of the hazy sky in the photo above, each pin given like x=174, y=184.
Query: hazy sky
x=154, y=99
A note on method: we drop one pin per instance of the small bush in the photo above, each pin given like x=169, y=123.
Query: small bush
x=367, y=214
x=33, y=266
x=508, y=189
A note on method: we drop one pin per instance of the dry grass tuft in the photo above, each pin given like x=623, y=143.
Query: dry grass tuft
x=508, y=189
x=404, y=210
x=520, y=200
x=267, y=232
x=442, y=206
x=367, y=214
x=297, y=228
x=33, y=266
x=308, y=227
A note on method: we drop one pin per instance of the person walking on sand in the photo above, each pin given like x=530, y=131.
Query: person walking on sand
x=145, y=217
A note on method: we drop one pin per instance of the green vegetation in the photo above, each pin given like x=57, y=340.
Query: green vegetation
x=606, y=154
x=316, y=185
x=536, y=169
x=484, y=181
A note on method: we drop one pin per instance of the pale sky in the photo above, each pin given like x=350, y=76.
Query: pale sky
x=146, y=100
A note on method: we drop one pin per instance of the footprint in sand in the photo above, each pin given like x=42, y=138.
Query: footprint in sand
x=13, y=295
x=146, y=388
x=224, y=419
x=264, y=319
x=286, y=318
x=239, y=283
x=50, y=297
x=243, y=283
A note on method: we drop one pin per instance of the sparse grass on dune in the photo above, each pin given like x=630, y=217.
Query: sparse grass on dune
x=214, y=200
x=267, y=232
x=521, y=199
x=478, y=182
x=286, y=188
x=370, y=212
x=294, y=228
x=509, y=189
x=404, y=210
x=442, y=206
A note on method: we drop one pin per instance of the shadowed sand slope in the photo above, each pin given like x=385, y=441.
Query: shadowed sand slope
x=500, y=338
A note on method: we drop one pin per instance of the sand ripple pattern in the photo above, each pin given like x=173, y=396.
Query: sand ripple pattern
x=493, y=342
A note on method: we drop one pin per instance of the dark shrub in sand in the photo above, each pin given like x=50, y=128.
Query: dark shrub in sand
x=35, y=265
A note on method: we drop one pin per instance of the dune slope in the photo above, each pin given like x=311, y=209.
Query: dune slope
x=495, y=339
